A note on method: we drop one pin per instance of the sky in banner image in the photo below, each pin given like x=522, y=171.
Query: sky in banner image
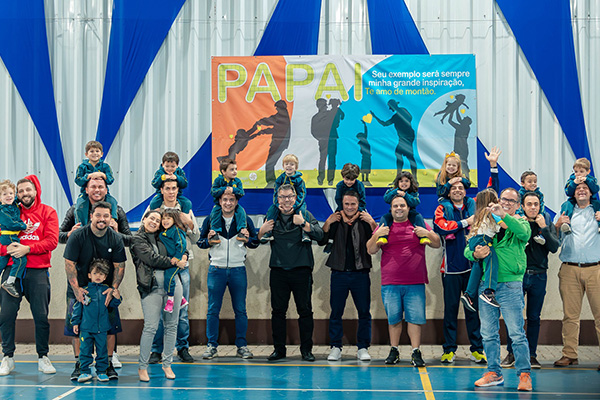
x=383, y=113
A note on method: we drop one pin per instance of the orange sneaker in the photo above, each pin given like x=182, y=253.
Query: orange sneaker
x=525, y=382
x=490, y=379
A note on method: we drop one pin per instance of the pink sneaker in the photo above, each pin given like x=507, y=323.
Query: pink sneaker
x=184, y=302
x=450, y=237
x=169, y=306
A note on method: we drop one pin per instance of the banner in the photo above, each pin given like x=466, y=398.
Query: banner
x=384, y=113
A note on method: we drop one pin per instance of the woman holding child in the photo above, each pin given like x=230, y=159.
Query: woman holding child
x=150, y=258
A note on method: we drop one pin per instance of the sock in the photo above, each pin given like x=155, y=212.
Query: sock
x=416, y=348
x=395, y=347
x=11, y=279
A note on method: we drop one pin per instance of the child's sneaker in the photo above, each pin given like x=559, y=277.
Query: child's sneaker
x=242, y=238
x=468, y=302
x=267, y=237
x=10, y=289
x=489, y=297
x=424, y=241
x=213, y=240
x=84, y=378
x=565, y=228
x=169, y=306
x=539, y=239
x=184, y=302
x=102, y=378
x=305, y=237
x=382, y=240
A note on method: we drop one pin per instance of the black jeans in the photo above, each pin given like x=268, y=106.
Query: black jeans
x=282, y=283
x=36, y=289
x=454, y=285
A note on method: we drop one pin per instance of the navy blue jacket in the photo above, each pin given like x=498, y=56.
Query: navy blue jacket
x=93, y=317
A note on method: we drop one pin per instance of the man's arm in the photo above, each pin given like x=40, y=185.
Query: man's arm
x=68, y=226
x=71, y=270
x=316, y=232
x=203, y=240
x=372, y=245
x=519, y=226
x=446, y=227
x=123, y=226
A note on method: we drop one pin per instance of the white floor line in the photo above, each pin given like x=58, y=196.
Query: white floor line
x=62, y=396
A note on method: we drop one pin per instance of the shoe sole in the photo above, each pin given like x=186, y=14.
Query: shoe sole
x=476, y=361
x=467, y=305
x=489, y=302
x=392, y=362
x=447, y=361
x=103, y=380
x=507, y=365
x=495, y=383
x=208, y=357
x=333, y=359
x=46, y=372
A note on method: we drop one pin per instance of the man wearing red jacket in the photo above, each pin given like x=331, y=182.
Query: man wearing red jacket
x=36, y=244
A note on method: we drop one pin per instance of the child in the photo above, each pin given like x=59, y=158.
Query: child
x=292, y=177
x=350, y=181
x=93, y=167
x=173, y=237
x=365, y=152
x=484, y=228
x=227, y=182
x=405, y=186
x=90, y=321
x=581, y=174
x=450, y=173
x=529, y=184
x=10, y=226
x=169, y=169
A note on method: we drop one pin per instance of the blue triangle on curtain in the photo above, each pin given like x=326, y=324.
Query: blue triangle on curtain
x=544, y=32
x=393, y=30
x=292, y=30
x=24, y=51
x=139, y=28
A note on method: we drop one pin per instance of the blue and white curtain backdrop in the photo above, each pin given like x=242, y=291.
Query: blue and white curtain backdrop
x=136, y=75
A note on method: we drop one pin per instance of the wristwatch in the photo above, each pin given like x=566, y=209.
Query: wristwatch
x=303, y=224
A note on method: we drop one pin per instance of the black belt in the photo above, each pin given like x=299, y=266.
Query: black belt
x=583, y=265
x=535, y=271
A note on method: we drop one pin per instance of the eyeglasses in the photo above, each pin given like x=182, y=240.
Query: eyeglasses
x=289, y=197
x=509, y=201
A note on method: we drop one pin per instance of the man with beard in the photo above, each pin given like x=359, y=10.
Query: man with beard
x=350, y=264
x=90, y=242
x=403, y=277
x=36, y=244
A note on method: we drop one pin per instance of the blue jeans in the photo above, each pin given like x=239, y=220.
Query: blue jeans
x=510, y=297
x=534, y=287
x=217, y=281
x=183, y=326
x=358, y=284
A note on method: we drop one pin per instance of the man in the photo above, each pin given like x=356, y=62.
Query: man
x=456, y=269
x=291, y=266
x=579, y=272
x=169, y=191
x=403, y=277
x=350, y=264
x=452, y=223
x=96, y=191
x=94, y=240
x=36, y=243
x=509, y=244
x=543, y=240
x=227, y=270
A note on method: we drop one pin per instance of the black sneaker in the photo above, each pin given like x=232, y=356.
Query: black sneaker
x=489, y=297
x=185, y=356
x=417, y=359
x=508, y=361
x=10, y=289
x=76, y=372
x=393, y=357
x=110, y=371
x=155, y=358
x=468, y=302
x=535, y=364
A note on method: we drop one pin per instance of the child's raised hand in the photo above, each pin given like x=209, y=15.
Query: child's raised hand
x=228, y=190
x=454, y=180
x=579, y=179
x=401, y=193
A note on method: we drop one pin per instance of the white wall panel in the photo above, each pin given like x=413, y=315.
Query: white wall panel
x=172, y=109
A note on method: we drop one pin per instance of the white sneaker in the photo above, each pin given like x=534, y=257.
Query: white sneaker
x=363, y=355
x=45, y=366
x=8, y=364
x=335, y=354
x=115, y=360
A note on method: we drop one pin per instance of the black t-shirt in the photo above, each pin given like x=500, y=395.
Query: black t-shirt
x=83, y=246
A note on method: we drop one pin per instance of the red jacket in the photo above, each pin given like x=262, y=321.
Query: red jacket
x=42, y=238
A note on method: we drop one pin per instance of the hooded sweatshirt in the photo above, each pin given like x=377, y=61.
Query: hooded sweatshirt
x=42, y=238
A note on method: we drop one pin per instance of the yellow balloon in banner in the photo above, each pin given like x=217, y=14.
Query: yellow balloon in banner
x=328, y=96
x=230, y=136
x=451, y=96
x=258, y=128
x=368, y=118
x=462, y=110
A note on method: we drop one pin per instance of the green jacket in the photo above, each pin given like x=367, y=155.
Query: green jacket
x=512, y=261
